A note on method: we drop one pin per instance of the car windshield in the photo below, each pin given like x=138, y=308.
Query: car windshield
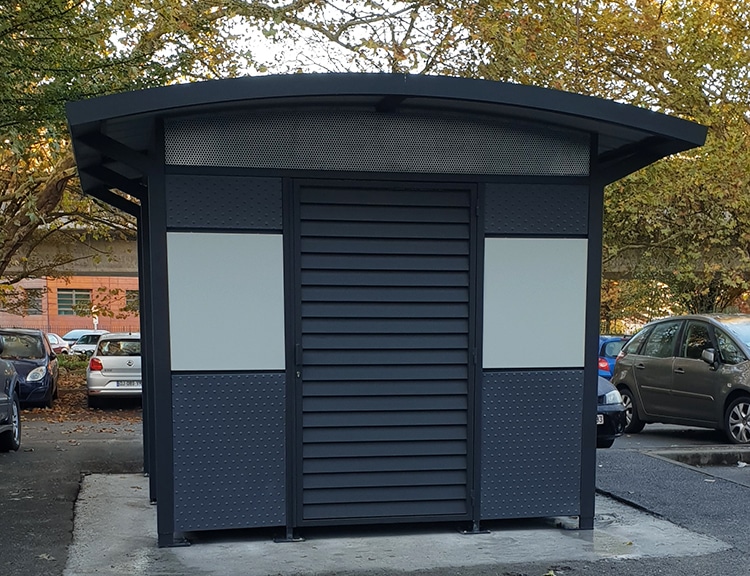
x=88, y=339
x=22, y=346
x=739, y=327
x=119, y=348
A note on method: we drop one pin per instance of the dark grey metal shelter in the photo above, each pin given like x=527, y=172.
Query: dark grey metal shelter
x=367, y=298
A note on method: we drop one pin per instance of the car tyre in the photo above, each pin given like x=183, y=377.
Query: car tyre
x=737, y=420
x=47, y=403
x=633, y=423
x=94, y=402
x=602, y=443
x=11, y=440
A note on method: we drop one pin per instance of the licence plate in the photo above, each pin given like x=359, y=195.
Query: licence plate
x=600, y=419
x=128, y=383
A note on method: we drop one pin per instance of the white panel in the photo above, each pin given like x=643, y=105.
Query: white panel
x=226, y=301
x=534, y=302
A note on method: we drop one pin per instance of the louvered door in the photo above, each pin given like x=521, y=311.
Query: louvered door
x=384, y=285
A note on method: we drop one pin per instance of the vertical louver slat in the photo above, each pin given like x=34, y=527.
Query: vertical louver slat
x=384, y=305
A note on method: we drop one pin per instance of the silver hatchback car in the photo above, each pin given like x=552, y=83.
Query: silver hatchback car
x=114, y=369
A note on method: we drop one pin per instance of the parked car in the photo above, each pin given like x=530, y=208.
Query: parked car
x=610, y=414
x=114, y=369
x=73, y=336
x=59, y=346
x=609, y=348
x=10, y=407
x=36, y=364
x=692, y=370
x=86, y=343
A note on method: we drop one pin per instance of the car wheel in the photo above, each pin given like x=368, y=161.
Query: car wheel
x=47, y=403
x=11, y=440
x=633, y=424
x=737, y=421
x=93, y=402
x=56, y=393
x=602, y=443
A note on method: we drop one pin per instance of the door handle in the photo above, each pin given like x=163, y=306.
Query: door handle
x=679, y=371
x=640, y=366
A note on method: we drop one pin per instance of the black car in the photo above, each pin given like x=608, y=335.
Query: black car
x=692, y=370
x=610, y=414
x=36, y=364
x=10, y=407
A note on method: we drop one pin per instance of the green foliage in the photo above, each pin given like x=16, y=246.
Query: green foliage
x=73, y=362
x=682, y=223
x=54, y=51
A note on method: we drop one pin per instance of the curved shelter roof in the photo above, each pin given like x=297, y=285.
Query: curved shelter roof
x=112, y=135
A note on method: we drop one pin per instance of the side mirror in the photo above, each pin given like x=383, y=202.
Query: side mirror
x=709, y=357
x=2, y=344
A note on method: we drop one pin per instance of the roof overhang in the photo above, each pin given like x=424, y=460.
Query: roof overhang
x=112, y=135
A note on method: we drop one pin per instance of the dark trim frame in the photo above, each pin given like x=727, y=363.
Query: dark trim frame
x=292, y=305
x=174, y=170
x=144, y=284
x=159, y=333
x=476, y=324
x=294, y=350
x=591, y=346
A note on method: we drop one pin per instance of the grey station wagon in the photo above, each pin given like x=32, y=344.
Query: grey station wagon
x=691, y=370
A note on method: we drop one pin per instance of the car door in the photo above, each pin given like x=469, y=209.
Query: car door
x=653, y=369
x=6, y=379
x=695, y=384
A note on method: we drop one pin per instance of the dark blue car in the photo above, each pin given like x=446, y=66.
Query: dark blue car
x=609, y=348
x=36, y=364
x=10, y=407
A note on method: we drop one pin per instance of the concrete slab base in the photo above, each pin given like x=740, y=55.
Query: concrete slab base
x=115, y=533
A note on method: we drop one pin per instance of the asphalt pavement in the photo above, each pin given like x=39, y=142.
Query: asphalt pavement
x=76, y=504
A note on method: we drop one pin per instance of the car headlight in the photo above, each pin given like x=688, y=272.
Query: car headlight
x=613, y=397
x=36, y=374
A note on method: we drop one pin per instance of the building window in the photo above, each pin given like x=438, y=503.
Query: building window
x=33, y=302
x=71, y=300
x=132, y=300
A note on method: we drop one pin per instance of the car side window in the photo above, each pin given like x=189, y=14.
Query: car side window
x=696, y=340
x=730, y=352
x=632, y=345
x=661, y=341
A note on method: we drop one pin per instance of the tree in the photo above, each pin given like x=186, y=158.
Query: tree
x=682, y=221
x=53, y=51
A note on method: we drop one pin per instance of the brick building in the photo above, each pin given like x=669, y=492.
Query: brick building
x=54, y=304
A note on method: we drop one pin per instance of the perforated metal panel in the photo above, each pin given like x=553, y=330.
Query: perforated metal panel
x=536, y=209
x=223, y=203
x=385, y=289
x=531, y=444
x=229, y=451
x=362, y=140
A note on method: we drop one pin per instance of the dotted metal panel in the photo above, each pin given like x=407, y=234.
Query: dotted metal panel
x=531, y=444
x=362, y=140
x=223, y=202
x=539, y=209
x=229, y=451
